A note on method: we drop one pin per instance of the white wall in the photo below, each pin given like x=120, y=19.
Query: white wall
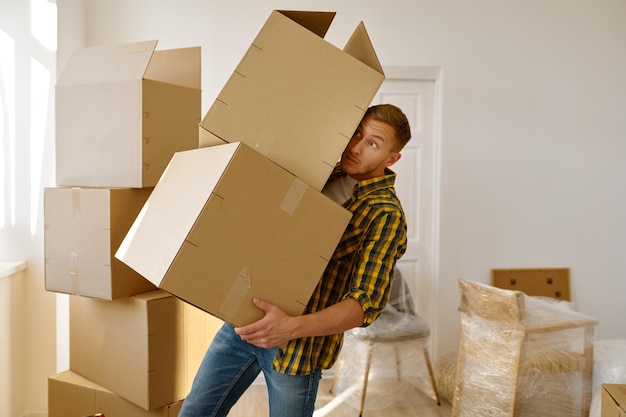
x=533, y=128
x=27, y=75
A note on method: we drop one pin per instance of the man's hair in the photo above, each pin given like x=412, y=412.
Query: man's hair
x=393, y=116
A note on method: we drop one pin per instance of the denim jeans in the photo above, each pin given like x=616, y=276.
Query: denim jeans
x=231, y=365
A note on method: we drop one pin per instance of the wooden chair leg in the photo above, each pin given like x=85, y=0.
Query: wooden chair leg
x=368, y=362
x=395, y=352
x=431, y=374
x=336, y=377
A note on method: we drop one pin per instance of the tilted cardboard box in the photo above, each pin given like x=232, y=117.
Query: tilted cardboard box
x=146, y=348
x=71, y=395
x=295, y=97
x=83, y=229
x=225, y=224
x=122, y=111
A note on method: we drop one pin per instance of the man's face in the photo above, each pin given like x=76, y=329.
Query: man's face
x=370, y=150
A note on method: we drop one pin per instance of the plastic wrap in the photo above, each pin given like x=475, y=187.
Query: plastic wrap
x=521, y=355
x=445, y=371
x=398, y=376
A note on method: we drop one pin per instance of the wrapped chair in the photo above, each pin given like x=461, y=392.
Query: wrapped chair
x=397, y=324
x=521, y=356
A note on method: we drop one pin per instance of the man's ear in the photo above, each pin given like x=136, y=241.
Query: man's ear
x=393, y=158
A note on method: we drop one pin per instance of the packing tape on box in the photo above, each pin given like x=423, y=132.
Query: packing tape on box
x=74, y=266
x=76, y=203
x=74, y=275
x=294, y=195
x=237, y=292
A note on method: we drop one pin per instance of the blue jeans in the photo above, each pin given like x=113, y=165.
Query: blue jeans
x=231, y=365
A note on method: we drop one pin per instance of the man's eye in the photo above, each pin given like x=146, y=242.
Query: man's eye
x=373, y=145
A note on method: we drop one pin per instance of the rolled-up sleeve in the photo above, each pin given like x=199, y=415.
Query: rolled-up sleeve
x=372, y=275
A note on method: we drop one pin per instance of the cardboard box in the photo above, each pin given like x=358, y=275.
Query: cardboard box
x=542, y=282
x=83, y=229
x=613, y=400
x=145, y=348
x=71, y=395
x=122, y=111
x=225, y=224
x=295, y=97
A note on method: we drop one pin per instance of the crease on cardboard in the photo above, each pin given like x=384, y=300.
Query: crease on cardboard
x=236, y=294
x=294, y=195
x=74, y=265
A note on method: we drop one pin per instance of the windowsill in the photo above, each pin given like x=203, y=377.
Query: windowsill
x=9, y=268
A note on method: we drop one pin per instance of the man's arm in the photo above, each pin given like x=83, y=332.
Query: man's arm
x=277, y=328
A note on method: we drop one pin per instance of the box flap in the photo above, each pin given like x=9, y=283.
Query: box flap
x=176, y=66
x=360, y=46
x=316, y=22
x=102, y=64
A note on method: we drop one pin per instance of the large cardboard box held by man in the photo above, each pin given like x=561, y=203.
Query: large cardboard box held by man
x=83, y=229
x=146, y=348
x=613, y=403
x=122, y=111
x=71, y=395
x=225, y=224
x=295, y=97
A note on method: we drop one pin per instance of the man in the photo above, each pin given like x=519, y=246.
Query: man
x=292, y=351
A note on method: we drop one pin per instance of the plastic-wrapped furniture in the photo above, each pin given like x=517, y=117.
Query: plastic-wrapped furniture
x=521, y=356
x=397, y=325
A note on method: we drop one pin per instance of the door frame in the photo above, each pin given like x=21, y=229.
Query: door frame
x=434, y=74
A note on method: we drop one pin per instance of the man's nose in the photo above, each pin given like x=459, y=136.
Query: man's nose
x=356, y=146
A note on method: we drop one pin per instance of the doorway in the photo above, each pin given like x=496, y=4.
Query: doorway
x=416, y=90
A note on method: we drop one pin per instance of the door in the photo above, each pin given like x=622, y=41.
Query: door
x=414, y=91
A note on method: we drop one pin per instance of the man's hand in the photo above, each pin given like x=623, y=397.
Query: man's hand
x=277, y=327
x=274, y=329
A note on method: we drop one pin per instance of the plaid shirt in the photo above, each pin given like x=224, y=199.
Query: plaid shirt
x=361, y=268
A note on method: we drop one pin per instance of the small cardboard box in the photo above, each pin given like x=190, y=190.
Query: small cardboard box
x=83, y=229
x=613, y=400
x=122, y=111
x=225, y=224
x=146, y=348
x=542, y=282
x=295, y=97
x=71, y=395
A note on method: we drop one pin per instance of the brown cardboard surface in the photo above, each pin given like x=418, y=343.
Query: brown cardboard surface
x=122, y=111
x=70, y=395
x=295, y=97
x=613, y=400
x=145, y=348
x=543, y=282
x=83, y=229
x=225, y=224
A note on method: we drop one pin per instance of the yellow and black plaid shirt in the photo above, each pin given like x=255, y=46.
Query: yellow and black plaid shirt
x=361, y=268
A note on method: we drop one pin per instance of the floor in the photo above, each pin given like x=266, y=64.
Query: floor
x=407, y=401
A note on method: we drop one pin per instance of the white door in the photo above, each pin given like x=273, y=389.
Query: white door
x=417, y=182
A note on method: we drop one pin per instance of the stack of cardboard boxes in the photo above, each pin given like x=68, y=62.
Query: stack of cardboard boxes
x=237, y=215
x=122, y=112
